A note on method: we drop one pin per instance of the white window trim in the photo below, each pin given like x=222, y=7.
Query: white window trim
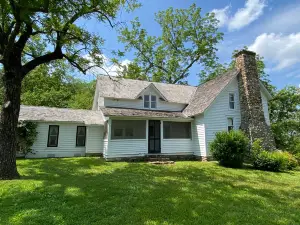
x=150, y=101
x=234, y=102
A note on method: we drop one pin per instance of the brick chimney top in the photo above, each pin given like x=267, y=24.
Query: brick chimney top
x=244, y=52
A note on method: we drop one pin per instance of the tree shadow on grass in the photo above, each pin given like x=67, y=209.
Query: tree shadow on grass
x=92, y=191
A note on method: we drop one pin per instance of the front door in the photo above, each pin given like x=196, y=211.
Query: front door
x=154, y=137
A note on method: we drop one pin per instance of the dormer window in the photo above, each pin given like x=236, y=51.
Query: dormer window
x=149, y=101
x=231, y=101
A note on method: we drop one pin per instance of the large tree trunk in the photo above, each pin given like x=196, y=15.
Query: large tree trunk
x=8, y=125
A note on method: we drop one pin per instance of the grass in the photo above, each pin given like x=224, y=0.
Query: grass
x=91, y=191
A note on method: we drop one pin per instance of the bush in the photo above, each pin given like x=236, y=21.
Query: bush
x=26, y=136
x=297, y=157
x=230, y=148
x=271, y=161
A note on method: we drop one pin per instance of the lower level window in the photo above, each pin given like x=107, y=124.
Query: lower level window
x=80, y=136
x=177, y=130
x=230, y=124
x=53, y=135
x=128, y=129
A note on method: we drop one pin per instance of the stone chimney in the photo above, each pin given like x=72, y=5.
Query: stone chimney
x=253, y=121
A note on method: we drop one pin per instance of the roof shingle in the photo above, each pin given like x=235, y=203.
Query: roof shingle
x=112, y=87
x=207, y=92
x=49, y=114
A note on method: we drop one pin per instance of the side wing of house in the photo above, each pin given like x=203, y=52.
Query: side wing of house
x=63, y=139
x=224, y=112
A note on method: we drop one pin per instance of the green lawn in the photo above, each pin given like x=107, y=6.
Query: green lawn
x=91, y=191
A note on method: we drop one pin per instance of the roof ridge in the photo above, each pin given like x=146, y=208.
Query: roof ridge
x=146, y=81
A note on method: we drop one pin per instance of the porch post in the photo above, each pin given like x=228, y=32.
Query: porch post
x=147, y=134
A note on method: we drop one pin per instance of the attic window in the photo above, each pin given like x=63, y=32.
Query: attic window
x=149, y=101
x=231, y=101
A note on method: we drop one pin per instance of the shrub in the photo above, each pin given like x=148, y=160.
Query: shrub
x=230, y=148
x=271, y=161
x=26, y=136
x=297, y=157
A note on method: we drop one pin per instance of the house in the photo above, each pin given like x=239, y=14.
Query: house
x=133, y=118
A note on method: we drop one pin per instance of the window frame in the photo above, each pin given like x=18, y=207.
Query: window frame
x=185, y=138
x=57, y=136
x=128, y=132
x=80, y=135
x=150, y=101
x=232, y=126
x=234, y=101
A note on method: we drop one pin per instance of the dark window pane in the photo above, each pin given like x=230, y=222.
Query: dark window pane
x=153, y=98
x=146, y=104
x=53, y=130
x=177, y=130
x=118, y=132
x=146, y=98
x=81, y=141
x=129, y=132
x=52, y=141
x=128, y=129
x=153, y=104
x=231, y=105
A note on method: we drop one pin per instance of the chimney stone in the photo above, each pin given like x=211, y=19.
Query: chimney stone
x=253, y=121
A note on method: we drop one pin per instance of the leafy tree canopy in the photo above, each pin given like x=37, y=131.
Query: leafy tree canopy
x=187, y=38
x=285, y=117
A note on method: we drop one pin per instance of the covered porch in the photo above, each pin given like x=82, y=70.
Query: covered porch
x=133, y=133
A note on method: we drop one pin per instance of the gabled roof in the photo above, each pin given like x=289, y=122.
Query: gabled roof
x=120, y=88
x=41, y=113
x=151, y=85
x=207, y=92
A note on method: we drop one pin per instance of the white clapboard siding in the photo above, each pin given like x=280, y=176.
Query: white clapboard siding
x=198, y=132
x=265, y=108
x=66, y=141
x=177, y=146
x=94, y=139
x=215, y=117
x=126, y=148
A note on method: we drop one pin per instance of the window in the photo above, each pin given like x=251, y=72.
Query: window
x=80, y=136
x=231, y=101
x=177, y=130
x=146, y=101
x=128, y=129
x=153, y=101
x=53, y=136
x=150, y=101
x=230, y=124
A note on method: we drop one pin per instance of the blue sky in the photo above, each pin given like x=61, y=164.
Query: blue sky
x=269, y=27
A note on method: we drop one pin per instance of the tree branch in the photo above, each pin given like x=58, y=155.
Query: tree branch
x=56, y=54
x=181, y=76
x=75, y=64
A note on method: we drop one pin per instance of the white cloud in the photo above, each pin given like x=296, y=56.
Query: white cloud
x=222, y=15
x=244, y=16
x=252, y=10
x=282, y=50
x=108, y=68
